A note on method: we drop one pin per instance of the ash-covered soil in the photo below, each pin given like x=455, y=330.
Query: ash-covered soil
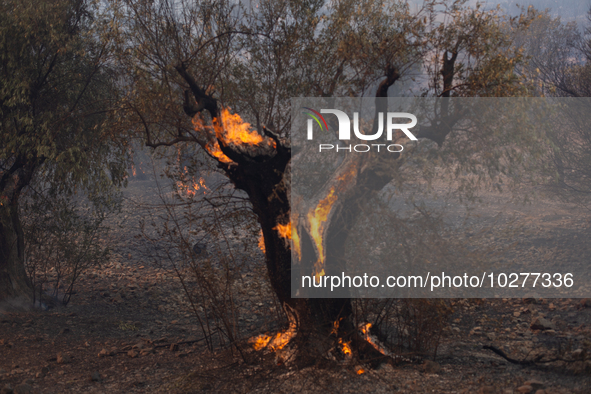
x=130, y=329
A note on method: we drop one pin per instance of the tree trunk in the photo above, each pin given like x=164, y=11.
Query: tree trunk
x=314, y=318
x=262, y=172
x=14, y=282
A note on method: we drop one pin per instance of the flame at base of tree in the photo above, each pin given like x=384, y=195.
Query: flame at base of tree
x=275, y=342
x=346, y=347
x=371, y=339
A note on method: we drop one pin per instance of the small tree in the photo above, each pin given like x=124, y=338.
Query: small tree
x=62, y=236
x=562, y=68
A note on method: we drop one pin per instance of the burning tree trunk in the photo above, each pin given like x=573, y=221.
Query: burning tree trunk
x=274, y=55
x=260, y=166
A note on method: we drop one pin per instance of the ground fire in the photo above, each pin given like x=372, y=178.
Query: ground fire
x=275, y=342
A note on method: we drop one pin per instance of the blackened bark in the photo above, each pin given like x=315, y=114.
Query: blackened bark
x=261, y=174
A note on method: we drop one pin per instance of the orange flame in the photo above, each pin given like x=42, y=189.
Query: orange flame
x=365, y=328
x=215, y=150
x=319, y=215
x=236, y=131
x=212, y=146
x=318, y=275
x=228, y=128
x=284, y=230
x=335, y=327
x=202, y=185
x=345, y=347
x=296, y=242
x=360, y=371
x=368, y=337
x=317, y=219
x=261, y=342
x=190, y=190
x=262, y=243
x=276, y=342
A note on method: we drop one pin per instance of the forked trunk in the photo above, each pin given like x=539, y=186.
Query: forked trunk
x=260, y=167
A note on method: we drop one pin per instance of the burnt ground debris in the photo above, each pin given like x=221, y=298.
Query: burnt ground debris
x=129, y=328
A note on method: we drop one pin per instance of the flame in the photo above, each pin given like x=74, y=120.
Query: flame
x=230, y=129
x=284, y=230
x=192, y=188
x=212, y=146
x=318, y=275
x=261, y=342
x=236, y=131
x=317, y=219
x=318, y=216
x=189, y=190
x=202, y=185
x=296, y=241
x=370, y=339
x=133, y=172
x=365, y=328
x=360, y=371
x=335, y=327
x=262, y=243
x=345, y=347
x=215, y=150
x=276, y=342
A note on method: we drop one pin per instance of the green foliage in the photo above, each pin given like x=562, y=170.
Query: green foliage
x=54, y=95
x=56, y=140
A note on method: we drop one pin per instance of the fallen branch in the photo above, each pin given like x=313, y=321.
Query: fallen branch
x=537, y=360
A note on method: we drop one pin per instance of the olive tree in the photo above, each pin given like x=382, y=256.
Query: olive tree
x=55, y=94
x=193, y=66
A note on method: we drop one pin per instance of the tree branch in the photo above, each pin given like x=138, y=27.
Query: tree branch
x=203, y=100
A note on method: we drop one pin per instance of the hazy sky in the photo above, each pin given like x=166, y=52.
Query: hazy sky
x=568, y=10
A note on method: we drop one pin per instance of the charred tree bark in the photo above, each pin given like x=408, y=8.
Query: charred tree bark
x=261, y=174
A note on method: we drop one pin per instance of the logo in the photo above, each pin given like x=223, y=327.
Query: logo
x=315, y=115
x=392, y=123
